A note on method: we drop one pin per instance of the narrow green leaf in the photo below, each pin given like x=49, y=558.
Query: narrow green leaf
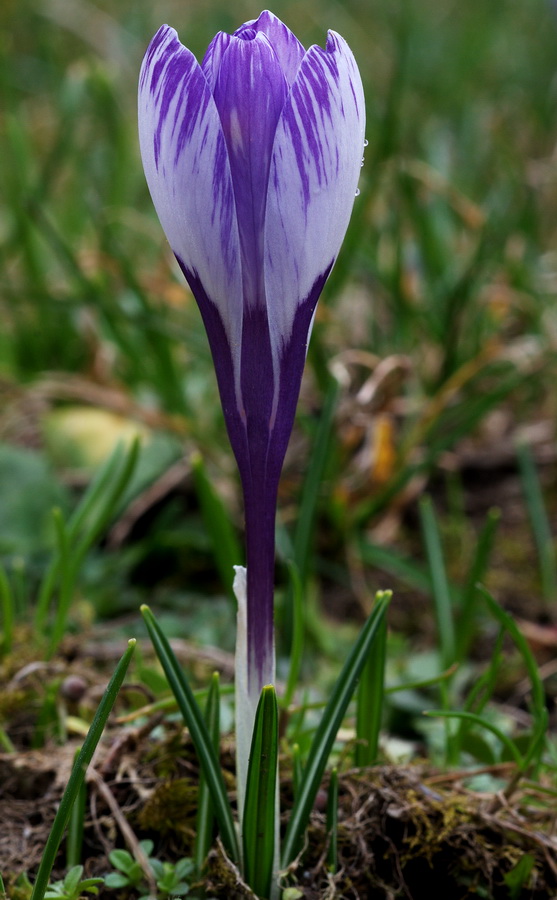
x=484, y=546
x=537, y=743
x=260, y=806
x=5, y=742
x=307, y=509
x=481, y=691
x=423, y=682
x=297, y=769
x=74, y=841
x=441, y=594
x=8, y=611
x=369, y=701
x=518, y=877
x=226, y=547
x=78, y=773
x=394, y=563
x=332, y=822
x=508, y=623
x=199, y=734
x=97, y=489
x=328, y=727
x=46, y=591
x=63, y=569
x=77, y=536
x=120, y=479
x=297, y=649
x=314, y=477
x=205, y=814
x=539, y=521
x=507, y=742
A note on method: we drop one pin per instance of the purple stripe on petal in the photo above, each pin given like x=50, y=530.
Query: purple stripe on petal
x=187, y=169
x=260, y=501
x=258, y=387
x=313, y=179
x=224, y=361
x=213, y=57
x=249, y=94
x=291, y=363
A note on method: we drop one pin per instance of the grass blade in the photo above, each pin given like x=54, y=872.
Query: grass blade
x=369, y=702
x=226, y=547
x=484, y=546
x=510, y=626
x=507, y=742
x=258, y=824
x=95, y=491
x=78, y=774
x=8, y=611
x=328, y=727
x=332, y=822
x=205, y=814
x=481, y=691
x=539, y=521
x=297, y=649
x=199, y=734
x=297, y=769
x=120, y=479
x=302, y=542
x=74, y=841
x=441, y=594
x=314, y=478
x=394, y=563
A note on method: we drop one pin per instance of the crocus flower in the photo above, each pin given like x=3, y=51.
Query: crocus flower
x=252, y=158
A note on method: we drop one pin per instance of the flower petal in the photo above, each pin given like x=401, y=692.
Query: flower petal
x=249, y=93
x=187, y=169
x=285, y=44
x=315, y=167
x=213, y=57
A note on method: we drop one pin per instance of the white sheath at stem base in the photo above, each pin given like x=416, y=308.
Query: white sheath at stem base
x=246, y=707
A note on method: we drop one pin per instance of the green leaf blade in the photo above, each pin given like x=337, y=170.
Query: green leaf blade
x=260, y=804
x=205, y=813
x=193, y=718
x=78, y=773
x=328, y=728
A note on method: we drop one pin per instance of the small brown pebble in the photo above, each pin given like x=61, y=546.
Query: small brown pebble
x=321, y=800
x=73, y=688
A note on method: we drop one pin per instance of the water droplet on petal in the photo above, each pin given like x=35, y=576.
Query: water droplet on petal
x=366, y=143
x=357, y=194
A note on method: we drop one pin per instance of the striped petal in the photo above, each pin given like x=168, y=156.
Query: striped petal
x=186, y=164
x=286, y=45
x=213, y=57
x=249, y=94
x=317, y=156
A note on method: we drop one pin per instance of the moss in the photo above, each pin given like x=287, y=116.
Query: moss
x=171, y=808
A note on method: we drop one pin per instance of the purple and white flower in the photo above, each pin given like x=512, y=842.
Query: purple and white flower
x=252, y=158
